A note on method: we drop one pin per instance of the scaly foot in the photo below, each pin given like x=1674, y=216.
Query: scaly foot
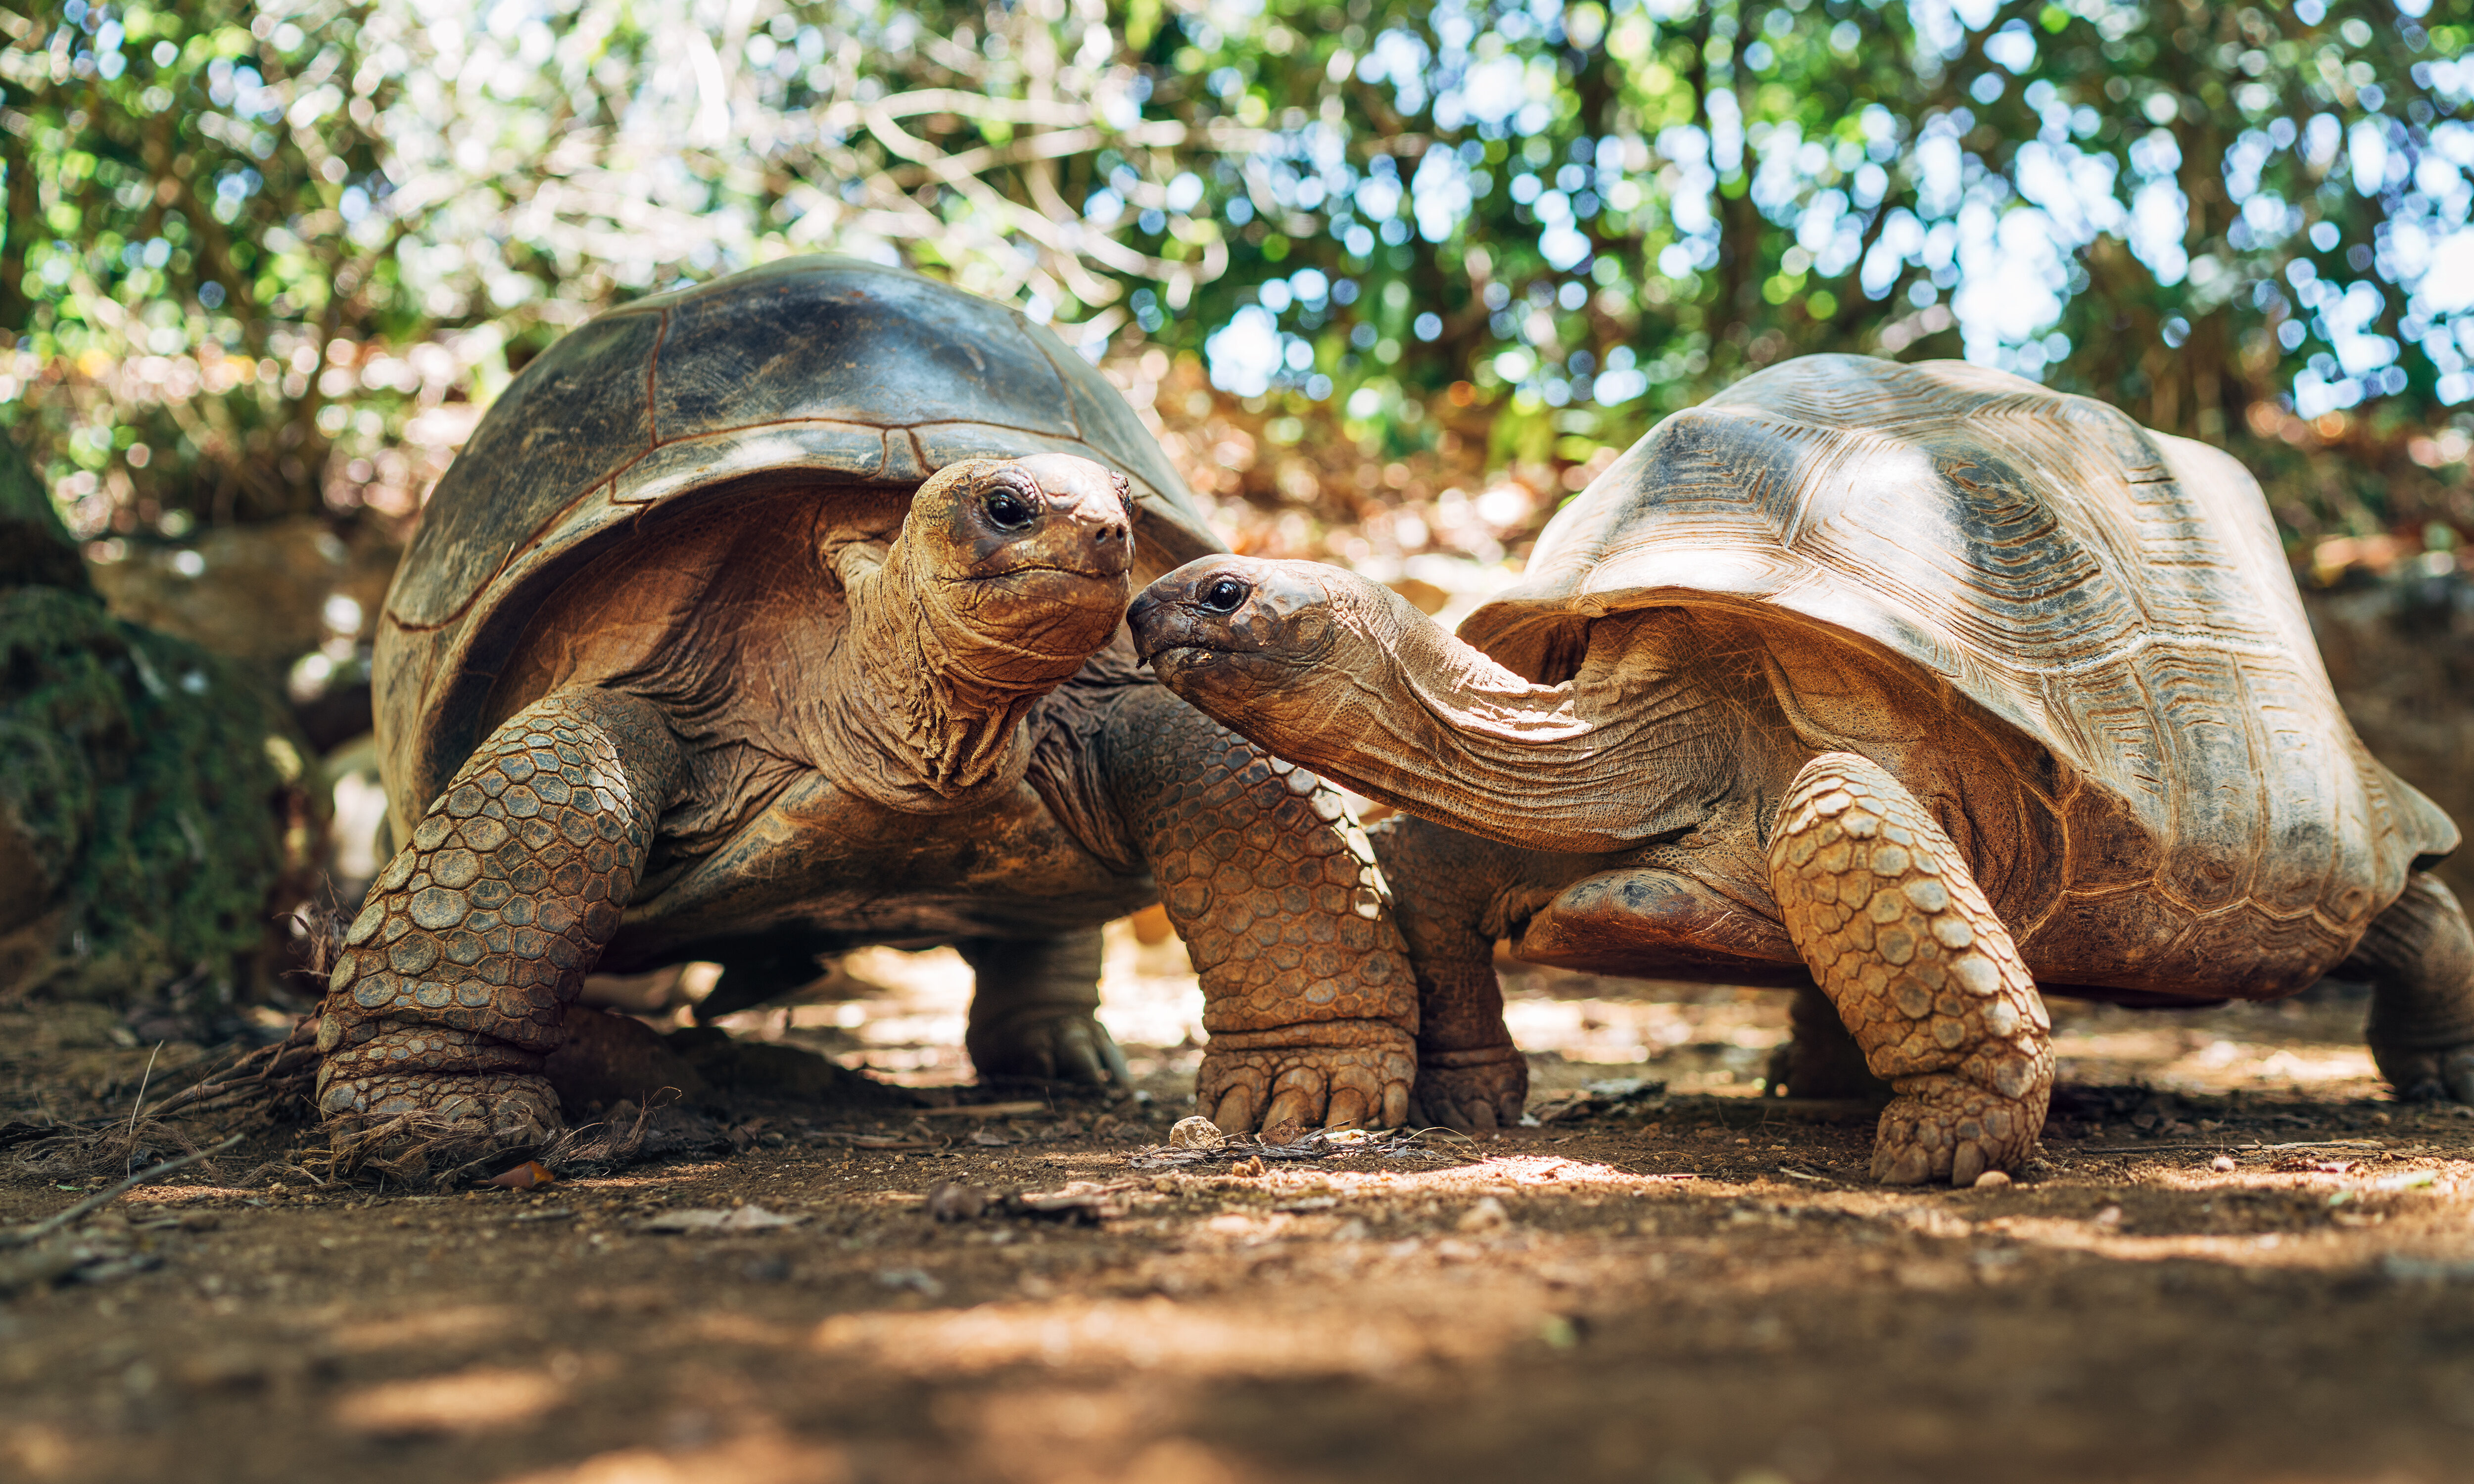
x=437, y=1120
x=1048, y=1044
x=2441, y=1075
x=1475, y=1090
x=1249, y=1081
x=1820, y=1059
x=1945, y=1128
x=1924, y=974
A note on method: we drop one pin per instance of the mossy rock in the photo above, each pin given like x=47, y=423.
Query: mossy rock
x=155, y=813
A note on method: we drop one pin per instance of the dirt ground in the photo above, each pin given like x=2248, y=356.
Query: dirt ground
x=2235, y=1260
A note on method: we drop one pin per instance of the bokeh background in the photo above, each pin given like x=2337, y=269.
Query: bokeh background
x=1390, y=279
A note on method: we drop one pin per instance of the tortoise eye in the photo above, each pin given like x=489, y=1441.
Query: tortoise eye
x=1224, y=596
x=1009, y=511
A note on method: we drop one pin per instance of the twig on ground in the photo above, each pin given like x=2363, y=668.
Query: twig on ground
x=21, y=1236
x=984, y=1110
x=1320, y=1144
x=260, y=1074
x=2223, y=1147
x=139, y=1106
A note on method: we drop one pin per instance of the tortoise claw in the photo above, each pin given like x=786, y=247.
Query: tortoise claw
x=1474, y=1092
x=1068, y=1047
x=2437, y=1076
x=1235, y=1113
x=1314, y=1086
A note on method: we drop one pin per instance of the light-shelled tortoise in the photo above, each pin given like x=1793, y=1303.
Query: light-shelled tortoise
x=1920, y=683
x=782, y=615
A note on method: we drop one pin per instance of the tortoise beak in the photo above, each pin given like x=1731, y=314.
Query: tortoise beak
x=1147, y=617
x=1163, y=618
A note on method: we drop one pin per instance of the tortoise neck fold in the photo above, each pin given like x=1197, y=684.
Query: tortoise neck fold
x=1423, y=721
x=921, y=709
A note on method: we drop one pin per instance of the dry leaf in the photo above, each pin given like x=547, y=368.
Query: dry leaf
x=531, y=1175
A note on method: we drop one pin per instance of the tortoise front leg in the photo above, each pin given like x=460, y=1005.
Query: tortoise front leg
x=1035, y=1010
x=2418, y=956
x=1307, y=993
x=1903, y=940
x=453, y=981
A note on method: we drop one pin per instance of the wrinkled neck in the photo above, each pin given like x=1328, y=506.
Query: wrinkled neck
x=1603, y=762
x=919, y=708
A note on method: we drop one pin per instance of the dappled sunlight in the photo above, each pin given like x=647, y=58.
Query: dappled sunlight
x=1226, y=1340
x=482, y=1399
x=764, y=1458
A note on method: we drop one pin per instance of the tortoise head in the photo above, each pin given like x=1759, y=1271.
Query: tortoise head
x=1031, y=558
x=1297, y=657
x=1344, y=675
x=1229, y=633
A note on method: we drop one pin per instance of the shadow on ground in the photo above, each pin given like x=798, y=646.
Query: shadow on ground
x=2235, y=1260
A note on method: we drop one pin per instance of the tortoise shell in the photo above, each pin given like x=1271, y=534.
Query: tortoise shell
x=809, y=373
x=2115, y=597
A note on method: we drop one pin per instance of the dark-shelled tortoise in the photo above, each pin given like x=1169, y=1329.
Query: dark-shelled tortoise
x=782, y=615
x=1913, y=686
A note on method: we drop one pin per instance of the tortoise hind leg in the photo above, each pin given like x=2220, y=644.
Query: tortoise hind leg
x=1901, y=938
x=453, y=980
x=1821, y=1059
x=1470, y=1076
x=1034, y=1009
x=2418, y=956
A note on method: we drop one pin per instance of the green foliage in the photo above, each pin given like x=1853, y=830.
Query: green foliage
x=2218, y=218
x=264, y=253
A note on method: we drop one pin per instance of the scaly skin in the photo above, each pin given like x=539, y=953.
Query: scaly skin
x=1034, y=1009
x=1306, y=991
x=1901, y=940
x=1470, y=1076
x=453, y=981
x=2418, y=956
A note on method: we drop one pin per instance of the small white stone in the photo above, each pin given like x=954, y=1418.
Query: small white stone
x=2223, y=1164
x=1992, y=1180
x=1197, y=1133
